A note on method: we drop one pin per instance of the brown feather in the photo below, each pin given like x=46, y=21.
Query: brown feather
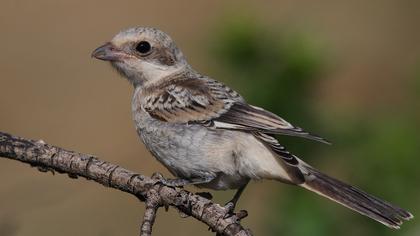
x=181, y=99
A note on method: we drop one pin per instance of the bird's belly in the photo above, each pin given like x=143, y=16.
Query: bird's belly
x=188, y=150
x=191, y=151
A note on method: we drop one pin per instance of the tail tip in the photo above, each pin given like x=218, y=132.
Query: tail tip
x=394, y=226
x=409, y=216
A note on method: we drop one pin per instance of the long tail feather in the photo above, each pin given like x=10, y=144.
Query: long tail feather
x=356, y=199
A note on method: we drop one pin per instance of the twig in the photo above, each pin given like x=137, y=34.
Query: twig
x=51, y=158
x=152, y=205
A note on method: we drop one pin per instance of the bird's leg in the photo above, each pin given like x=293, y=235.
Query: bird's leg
x=232, y=203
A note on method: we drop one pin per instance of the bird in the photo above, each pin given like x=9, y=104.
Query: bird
x=207, y=135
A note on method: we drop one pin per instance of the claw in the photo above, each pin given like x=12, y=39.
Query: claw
x=205, y=195
x=241, y=214
x=157, y=176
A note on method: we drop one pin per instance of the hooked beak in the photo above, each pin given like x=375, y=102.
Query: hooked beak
x=108, y=52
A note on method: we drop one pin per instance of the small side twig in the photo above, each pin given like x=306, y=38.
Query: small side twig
x=152, y=205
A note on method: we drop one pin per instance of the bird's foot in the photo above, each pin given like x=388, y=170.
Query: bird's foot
x=230, y=208
x=230, y=211
x=175, y=182
x=169, y=182
x=181, y=182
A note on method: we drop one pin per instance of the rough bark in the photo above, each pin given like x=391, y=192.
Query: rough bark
x=148, y=189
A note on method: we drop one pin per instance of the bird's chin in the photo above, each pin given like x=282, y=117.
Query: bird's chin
x=117, y=64
x=120, y=67
x=126, y=71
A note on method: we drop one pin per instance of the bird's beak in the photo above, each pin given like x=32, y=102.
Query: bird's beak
x=108, y=52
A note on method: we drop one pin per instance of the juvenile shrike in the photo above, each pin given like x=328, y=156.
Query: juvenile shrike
x=207, y=135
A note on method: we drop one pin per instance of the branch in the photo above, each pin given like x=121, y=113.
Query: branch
x=55, y=159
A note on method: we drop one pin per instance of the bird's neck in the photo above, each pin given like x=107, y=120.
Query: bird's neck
x=162, y=75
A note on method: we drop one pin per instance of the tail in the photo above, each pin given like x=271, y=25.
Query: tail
x=355, y=199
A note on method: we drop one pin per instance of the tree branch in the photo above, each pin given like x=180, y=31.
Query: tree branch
x=51, y=158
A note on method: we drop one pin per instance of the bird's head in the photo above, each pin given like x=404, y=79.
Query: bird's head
x=143, y=55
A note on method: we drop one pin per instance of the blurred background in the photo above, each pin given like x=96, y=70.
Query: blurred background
x=346, y=70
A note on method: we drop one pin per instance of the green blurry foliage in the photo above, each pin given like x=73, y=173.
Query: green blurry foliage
x=279, y=71
x=274, y=71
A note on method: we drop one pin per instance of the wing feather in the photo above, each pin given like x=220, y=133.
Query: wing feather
x=201, y=100
x=248, y=117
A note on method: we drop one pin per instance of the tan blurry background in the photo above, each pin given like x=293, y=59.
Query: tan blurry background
x=51, y=89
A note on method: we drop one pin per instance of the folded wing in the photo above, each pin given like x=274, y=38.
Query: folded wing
x=248, y=117
x=210, y=102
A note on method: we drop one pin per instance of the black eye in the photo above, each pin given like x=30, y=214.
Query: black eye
x=143, y=47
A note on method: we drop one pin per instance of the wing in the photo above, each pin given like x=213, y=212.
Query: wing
x=247, y=117
x=189, y=101
x=209, y=102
